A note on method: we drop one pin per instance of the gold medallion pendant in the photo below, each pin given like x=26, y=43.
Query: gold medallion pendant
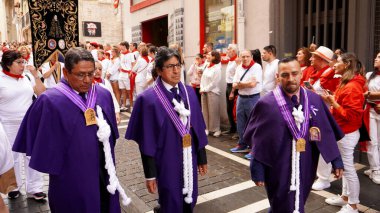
x=90, y=117
x=186, y=141
x=301, y=145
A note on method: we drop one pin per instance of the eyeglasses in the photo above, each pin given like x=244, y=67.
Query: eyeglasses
x=21, y=62
x=81, y=76
x=171, y=66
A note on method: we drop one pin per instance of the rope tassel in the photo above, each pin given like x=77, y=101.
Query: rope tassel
x=103, y=134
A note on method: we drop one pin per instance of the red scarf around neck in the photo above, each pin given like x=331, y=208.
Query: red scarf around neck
x=211, y=65
x=98, y=80
x=6, y=72
x=27, y=57
x=316, y=74
x=145, y=58
x=233, y=58
x=249, y=66
x=125, y=52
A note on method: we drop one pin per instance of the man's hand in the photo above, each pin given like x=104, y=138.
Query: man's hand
x=202, y=169
x=118, y=119
x=260, y=183
x=338, y=173
x=232, y=96
x=151, y=185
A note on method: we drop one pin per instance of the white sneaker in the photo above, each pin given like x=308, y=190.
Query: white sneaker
x=375, y=176
x=206, y=132
x=336, y=201
x=348, y=209
x=319, y=184
x=368, y=172
x=217, y=133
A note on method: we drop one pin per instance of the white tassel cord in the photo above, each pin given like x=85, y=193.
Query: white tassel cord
x=295, y=177
x=103, y=134
x=187, y=156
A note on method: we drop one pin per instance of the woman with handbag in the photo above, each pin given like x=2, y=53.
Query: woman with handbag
x=347, y=109
x=373, y=100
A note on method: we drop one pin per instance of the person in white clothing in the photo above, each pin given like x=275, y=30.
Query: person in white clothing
x=126, y=77
x=94, y=50
x=149, y=75
x=210, y=93
x=269, y=80
x=135, y=51
x=104, y=58
x=52, y=71
x=232, y=52
x=16, y=93
x=106, y=84
x=6, y=165
x=373, y=97
x=112, y=73
x=195, y=72
x=248, y=80
x=141, y=69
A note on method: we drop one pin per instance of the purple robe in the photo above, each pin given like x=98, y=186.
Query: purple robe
x=271, y=142
x=151, y=127
x=56, y=137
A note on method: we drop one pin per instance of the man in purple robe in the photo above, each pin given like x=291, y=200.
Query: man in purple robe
x=275, y=148
x=56, y=135
x=156, y=127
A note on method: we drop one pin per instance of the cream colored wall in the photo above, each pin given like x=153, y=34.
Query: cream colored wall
x=101, y=11
x=257, y=24
x=3, y=22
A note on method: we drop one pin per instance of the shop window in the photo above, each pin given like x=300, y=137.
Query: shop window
x=219, y=23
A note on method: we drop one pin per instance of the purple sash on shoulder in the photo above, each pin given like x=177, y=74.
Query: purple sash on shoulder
x=297, y=133
x=76, y=99
x=182, y=129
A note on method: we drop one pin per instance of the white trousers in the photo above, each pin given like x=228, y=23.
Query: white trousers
x=140, y=87
x=350, y=180
x=33, y=179
x=373, y=145
x=324, y=169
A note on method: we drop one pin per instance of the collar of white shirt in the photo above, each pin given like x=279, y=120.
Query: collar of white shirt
x=168, y=86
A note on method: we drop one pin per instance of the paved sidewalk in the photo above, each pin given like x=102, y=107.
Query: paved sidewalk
x=226, y=188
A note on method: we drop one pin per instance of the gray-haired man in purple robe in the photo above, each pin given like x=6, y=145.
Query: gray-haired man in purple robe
x=288, y=129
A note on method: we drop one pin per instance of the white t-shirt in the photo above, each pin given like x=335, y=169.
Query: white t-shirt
x=269, y=81
x=254, y=72
x=126, y=61
x=211, y=78
x=141, y=68
x=94, y=54
x=105, y=65
x=114, y=69
x=107, y=85
x=15, y=96
x=230, y=72
x=49, y=82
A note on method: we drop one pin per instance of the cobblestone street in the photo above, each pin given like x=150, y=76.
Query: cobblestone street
x=226, y=188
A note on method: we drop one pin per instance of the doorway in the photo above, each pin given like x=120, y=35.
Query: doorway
x=155, y=31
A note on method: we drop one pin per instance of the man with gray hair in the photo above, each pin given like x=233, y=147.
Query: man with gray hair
x=65, y=132
x=232, y=52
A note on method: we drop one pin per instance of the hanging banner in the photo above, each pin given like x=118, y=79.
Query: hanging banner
x=54, y=26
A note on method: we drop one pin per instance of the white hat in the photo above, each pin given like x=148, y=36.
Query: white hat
x=324, y=53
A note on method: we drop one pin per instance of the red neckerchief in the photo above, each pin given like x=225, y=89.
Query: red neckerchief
x=211, y=65
x=6, y=72
x=27, y=57
x=303, y=65
x=249, y=66
x=52, y=63
x=101, y=59
x=377, y=72
x=98, y=80
x=151, y=60
x=134, y=51
x=233, y=58
x=316, y=74
x=145, y=58
x=125, y=52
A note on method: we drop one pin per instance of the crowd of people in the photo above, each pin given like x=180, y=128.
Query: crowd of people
x=326, y=100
